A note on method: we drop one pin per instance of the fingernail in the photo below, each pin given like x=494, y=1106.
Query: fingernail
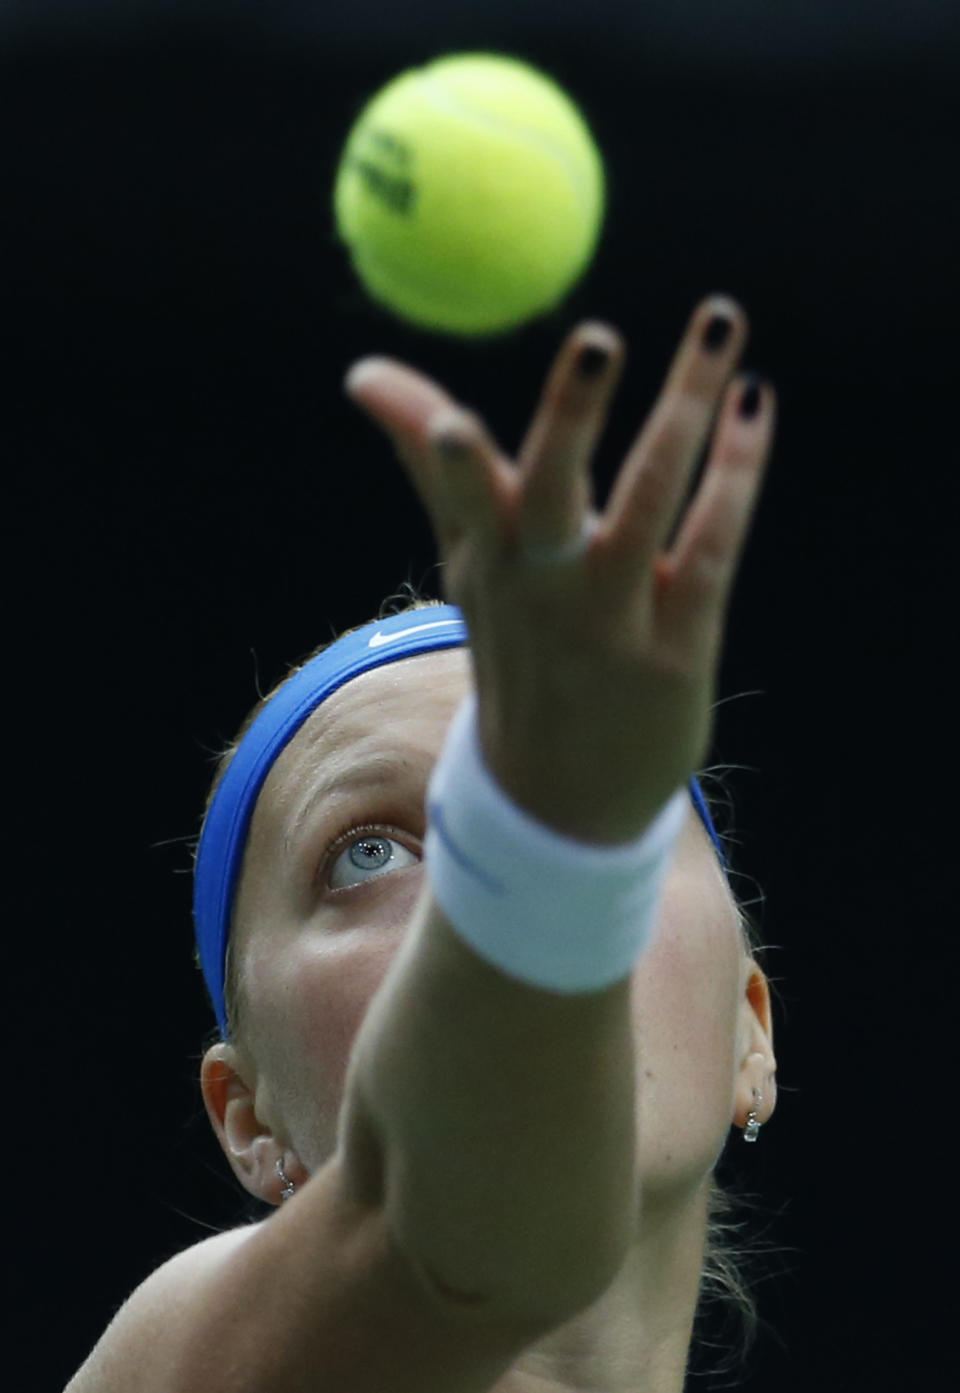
x=452, y=445
x=592, y=360
x=750, y=401
x=716, y=333
x=361, y=373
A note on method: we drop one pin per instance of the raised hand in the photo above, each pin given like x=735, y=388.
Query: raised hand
x=595, y=639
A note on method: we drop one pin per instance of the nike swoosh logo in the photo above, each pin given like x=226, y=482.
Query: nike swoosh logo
x=378, y=639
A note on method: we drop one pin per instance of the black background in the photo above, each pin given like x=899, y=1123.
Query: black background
x=192, y=503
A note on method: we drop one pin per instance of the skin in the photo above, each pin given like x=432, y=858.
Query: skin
x=313, y=959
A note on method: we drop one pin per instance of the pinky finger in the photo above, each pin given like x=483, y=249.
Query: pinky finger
x=700, y=568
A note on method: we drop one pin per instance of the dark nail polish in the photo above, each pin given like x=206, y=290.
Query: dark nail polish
x=750, y=401
x=451, y=445
x=717, y=332
x=592, y=360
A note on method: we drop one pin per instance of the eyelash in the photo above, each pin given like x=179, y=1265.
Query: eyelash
x=351, y=832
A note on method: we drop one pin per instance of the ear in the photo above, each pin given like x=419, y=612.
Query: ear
x=757, y=1071
x=248, y=1143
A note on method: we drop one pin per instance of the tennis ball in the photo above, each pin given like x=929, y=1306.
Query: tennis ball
x=470, y=194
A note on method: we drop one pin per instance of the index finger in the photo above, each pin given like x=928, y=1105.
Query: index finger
x=458, y=488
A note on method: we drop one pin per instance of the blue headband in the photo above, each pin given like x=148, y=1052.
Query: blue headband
x=224, y=836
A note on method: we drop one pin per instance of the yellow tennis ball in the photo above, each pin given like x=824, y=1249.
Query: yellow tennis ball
x=470, y=194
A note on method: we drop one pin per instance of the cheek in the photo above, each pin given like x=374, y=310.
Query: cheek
x=311, y=1001
x=685, y=996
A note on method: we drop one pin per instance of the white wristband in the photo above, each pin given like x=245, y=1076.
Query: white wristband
x=544, y=908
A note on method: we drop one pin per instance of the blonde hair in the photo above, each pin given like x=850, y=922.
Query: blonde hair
x=725, y=1286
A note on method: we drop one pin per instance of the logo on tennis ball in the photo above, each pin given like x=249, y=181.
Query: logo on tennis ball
x=384, y=165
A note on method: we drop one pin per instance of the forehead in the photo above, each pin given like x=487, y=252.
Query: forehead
x=403, y=706
x=400, y=710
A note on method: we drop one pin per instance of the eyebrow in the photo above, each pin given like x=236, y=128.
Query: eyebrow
x=364, y=774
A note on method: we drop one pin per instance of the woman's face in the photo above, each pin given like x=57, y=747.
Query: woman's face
x=316, y=928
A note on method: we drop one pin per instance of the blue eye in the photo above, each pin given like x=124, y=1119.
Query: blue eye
x=366, y=853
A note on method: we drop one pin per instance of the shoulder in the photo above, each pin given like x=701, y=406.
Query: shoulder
x=196, y=1261
x=218, y=1245
x=317, y=1296
x=139, y=1324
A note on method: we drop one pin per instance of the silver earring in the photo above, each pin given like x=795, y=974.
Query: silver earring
x=288, y=1185
x=752, y=1130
